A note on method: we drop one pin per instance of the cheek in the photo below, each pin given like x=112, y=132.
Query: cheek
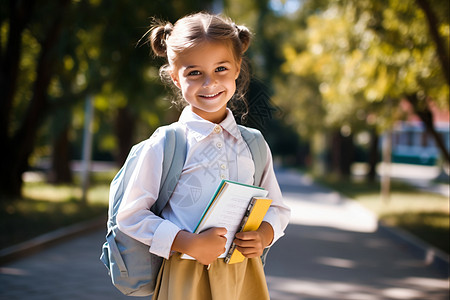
x=187, y=87
x=232, y=82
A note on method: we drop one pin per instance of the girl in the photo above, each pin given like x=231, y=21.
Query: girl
x=205, y=64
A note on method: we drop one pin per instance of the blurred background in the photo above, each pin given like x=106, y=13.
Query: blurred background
x=342, y=90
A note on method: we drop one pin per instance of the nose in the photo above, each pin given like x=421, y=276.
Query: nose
x=210, y=80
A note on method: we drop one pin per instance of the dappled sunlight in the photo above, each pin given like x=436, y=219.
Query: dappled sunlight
x=430, y=283
x=407, y=288
x=399, y=293
x=346, y=216
x=336, y=262
x=14, y=271
x=289, y=288
x=314, y=205
x=36, y=187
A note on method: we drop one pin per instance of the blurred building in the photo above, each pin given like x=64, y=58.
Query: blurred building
x=411, y=143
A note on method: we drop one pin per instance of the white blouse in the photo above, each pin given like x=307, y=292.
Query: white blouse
x=214, y=152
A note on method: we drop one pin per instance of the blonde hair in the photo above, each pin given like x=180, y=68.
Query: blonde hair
x=169, y=41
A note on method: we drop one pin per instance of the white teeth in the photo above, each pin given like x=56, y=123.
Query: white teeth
x=210, y=96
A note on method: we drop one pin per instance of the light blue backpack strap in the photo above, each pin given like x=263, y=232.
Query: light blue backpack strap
x=116, y=254
x=258, y=149
x=118, y=184
x=173, y=162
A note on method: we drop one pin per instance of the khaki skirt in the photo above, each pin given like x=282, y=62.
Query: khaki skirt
x=188, y=279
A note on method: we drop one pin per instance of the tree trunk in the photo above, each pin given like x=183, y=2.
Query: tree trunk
x=17, y=150
x=342, y=154
x=10, y=175
x=426, y=115
x=387, y=164
x=19, y=16
x=433, y=24
x=373, y=156
x=319, y=154
x=347, y=155
x=125, y=126
x=335, y=154
x=60, y=168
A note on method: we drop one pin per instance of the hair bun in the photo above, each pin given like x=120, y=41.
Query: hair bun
x=167, y=30
x=244, y=35
x=158, y=38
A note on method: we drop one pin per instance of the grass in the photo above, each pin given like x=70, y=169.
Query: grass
x=45, y=207
x=424, y=214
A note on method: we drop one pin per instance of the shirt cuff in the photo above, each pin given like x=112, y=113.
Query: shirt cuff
x=163, y=239
x=273, y=219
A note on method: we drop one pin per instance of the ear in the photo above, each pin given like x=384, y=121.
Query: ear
x=175, y=79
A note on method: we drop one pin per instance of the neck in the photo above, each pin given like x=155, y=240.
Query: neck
x=213, y=117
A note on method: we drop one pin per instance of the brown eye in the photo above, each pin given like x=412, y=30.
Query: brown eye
x=194, y=73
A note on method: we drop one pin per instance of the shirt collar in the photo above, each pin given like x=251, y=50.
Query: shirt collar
x=201, y=128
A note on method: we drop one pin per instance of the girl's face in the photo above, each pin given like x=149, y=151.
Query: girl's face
x=206, y=75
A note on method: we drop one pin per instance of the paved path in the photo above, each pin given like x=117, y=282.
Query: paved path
x=333, y=249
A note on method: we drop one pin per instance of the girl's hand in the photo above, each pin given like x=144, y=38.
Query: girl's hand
x=209, y=245
x=252, y=243
x=205, y=247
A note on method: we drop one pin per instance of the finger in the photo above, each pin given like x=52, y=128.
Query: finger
x=248, y=252
x=244, y=243
x=220, y=231
x=251, y=255
x=249, y=235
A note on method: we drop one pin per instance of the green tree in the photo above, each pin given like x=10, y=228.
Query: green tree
x=55, y=54
x=18, y=130
x=363, y=57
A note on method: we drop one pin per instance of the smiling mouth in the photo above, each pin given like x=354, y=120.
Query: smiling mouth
x=212, y=96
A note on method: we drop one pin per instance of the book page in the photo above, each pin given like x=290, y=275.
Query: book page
x=227, y=214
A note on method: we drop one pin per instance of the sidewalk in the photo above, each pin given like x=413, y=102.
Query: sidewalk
x=333, y=249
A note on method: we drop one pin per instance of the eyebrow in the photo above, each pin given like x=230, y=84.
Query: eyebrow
x=219, y=63
x=191, y=67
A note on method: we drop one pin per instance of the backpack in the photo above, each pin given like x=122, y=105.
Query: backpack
x=132, y=268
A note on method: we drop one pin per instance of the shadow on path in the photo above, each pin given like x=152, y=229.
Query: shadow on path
x=333, y=249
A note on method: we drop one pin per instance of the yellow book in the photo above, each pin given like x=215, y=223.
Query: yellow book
x=253, y=218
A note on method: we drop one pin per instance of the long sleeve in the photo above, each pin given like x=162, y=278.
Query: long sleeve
x=134, y=217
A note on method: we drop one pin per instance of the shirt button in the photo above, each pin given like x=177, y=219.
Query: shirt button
x=223, y=176
x=217, y=129
x=223, y=166
x=219, y=145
